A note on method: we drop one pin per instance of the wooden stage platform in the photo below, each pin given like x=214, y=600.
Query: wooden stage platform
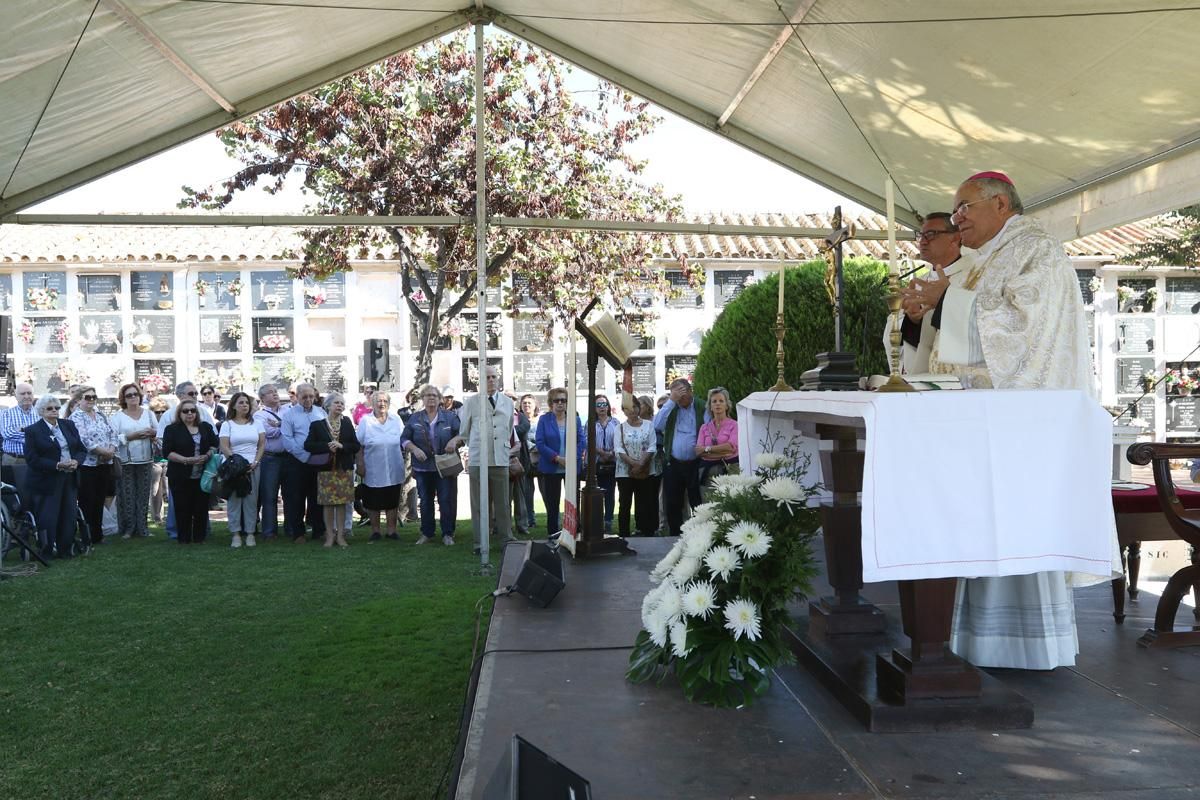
x=1123, y=724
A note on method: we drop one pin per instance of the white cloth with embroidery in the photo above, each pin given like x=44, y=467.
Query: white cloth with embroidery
x=1017, y=322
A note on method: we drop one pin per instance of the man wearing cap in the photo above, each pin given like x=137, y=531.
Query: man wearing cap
x=448, y=401
x=1014, y=322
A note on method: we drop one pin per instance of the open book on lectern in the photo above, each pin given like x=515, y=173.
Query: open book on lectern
x=616, y=344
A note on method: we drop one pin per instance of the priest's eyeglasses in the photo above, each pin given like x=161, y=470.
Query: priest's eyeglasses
x=960, y=210
x=929, y=236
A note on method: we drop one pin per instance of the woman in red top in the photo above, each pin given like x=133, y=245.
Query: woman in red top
x=717, y=441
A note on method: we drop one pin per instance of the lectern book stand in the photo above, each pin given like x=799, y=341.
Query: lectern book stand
x=602, y=342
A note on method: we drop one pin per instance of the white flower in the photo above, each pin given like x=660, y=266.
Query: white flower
x=732, y=485
x=670, y=602
x=741, y=617
x=721, y=561
x=686, y=569
x=770, y=460
x=784, y=491
x=750, y=538
x=698, y=539
x=663, y=568
x=702, y=512
x=658, y=631
x=679, y=639
x=699, y=599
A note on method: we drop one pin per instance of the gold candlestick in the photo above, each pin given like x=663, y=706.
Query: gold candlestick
x=895, y=301
x=780, y=384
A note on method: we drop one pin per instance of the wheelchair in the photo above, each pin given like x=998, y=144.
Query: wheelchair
x=18, y=528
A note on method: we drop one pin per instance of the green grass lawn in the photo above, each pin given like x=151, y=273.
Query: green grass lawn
x=154, y=670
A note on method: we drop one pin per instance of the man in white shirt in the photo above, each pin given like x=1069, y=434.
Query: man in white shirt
x=13, y=422
x=500, y=408
x=299, y=477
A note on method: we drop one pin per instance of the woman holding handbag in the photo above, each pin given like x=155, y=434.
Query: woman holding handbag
x=637, y=443
x=425, y=436
x=187, y=444
x=334, y=438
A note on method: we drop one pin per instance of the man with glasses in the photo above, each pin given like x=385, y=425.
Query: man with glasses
x=500, y=408
x=184, y=391
x=1015, y=322
x=679, y=421
x=941, y=247
x=13, y=422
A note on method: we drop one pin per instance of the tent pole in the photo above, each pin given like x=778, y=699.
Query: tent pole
x=485, y=419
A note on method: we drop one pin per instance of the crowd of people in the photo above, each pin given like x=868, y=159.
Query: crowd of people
x=321, y=460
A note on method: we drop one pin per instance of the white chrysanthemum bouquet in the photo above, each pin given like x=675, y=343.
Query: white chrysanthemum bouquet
x=716, y=616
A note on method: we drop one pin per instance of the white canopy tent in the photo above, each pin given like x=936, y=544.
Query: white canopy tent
x=1088, y=104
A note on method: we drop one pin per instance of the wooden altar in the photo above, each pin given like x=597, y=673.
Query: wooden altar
x=891, y=680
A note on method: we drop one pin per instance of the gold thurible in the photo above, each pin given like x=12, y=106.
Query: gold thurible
x=895, y=382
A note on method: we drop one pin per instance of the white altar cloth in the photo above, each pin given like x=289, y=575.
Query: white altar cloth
x=966, y=483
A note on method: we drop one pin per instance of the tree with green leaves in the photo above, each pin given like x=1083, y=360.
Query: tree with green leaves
x=398, y=139
x=1176, y=242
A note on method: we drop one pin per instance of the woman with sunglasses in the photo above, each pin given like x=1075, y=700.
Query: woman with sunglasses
x=96, y=470
x=187, y=443
x=136, y=428
x=551, y=441
x=606, y=457
x=53, y=453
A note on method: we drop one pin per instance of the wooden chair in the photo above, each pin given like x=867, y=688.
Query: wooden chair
x=1186, y=524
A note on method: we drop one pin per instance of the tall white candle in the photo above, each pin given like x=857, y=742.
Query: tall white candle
x=782, y=268
x=889, y=192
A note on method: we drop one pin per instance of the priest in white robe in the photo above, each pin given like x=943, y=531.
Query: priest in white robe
x=1014, y=322
x=941, y=248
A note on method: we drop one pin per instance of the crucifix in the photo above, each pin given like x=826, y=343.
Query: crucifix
x=835, y=369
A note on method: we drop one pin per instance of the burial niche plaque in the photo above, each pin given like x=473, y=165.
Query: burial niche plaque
x=470, y=373
x=531, y=335
x=728, y=284
x=99, y=292
x=681, y=294
x=1183, y=295
x=153, y=334
x=1130, y=372
x=273, y=335
x=100, y=334
x=45, y=291
x=1084, y=276
x=1181, y=415
x=151, y=291
x=531, y=372
x=643, y=375
x=271, y=291
x=221, y=334
x=1145, y=410
x=1135, y=336
x=145, y=367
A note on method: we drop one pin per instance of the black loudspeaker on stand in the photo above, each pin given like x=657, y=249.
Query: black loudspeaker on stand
x=526, y=773
x=376, y=363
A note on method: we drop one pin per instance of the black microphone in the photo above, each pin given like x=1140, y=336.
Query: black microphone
x=902, y=276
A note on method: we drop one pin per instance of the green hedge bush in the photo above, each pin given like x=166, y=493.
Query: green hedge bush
x=739, y=351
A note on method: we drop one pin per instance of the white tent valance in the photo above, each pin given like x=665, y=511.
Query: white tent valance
x=1088, y=104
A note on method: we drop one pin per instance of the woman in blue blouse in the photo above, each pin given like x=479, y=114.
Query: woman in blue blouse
x=551, y=441
x=425, y=435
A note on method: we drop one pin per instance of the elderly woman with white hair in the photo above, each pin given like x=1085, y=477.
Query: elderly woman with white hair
x=381, y=463
x=334, y=437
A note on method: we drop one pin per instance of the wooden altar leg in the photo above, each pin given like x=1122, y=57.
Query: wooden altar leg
x=1118, y=593
x=926, y=670
x=845, y=613
x=1196, y=584
x=1134, y=562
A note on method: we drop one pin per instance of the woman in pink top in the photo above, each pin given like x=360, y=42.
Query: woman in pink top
x=717, y=441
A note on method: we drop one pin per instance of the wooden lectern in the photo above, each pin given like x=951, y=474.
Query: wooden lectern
x=592, y=541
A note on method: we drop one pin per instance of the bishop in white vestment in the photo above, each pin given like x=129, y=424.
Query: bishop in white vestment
x=1014, y=322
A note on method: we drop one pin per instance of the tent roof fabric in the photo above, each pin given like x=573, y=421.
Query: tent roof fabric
x=109, y=244
x=1087, y=104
